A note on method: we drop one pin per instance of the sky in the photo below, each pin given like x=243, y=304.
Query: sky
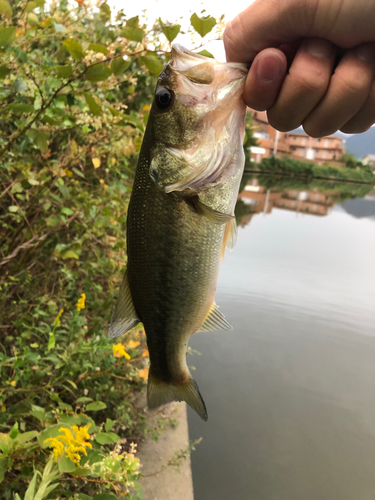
x=180, y=12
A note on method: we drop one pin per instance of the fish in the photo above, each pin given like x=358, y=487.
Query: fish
x=181, y=217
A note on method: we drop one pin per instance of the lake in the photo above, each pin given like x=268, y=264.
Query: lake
x=290, y=392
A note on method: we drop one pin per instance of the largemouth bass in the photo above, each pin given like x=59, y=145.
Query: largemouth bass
x=181, y=217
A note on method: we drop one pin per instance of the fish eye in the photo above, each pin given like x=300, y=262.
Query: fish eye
x=164, y=98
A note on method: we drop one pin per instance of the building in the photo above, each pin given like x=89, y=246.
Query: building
x=369, y=160
x=296, y=145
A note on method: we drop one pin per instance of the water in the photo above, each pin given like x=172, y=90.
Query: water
x=290, y=392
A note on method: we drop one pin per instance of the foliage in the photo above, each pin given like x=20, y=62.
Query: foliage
x=288, y=166
x=75, y=93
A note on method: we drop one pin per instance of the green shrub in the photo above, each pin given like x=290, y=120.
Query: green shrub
x=75, y=93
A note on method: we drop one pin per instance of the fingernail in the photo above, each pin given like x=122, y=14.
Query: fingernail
x=366, y=52
x=269, y=68
x=318, y=47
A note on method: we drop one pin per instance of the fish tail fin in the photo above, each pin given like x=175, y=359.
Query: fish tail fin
x=160, y=393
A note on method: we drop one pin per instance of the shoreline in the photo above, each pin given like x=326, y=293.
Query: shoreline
x=308, y=177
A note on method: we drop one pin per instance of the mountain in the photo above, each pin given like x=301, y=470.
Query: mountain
x=361, y=145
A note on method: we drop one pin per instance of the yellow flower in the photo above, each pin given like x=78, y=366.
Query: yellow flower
x=119, y=351
x=81, y=302
x=57, y=319
x=133, y=343
x=71, y=441
x=143, y=373
x=13, y=383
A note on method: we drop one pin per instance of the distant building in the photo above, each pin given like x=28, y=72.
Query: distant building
x=369, y=160
x=296, y=145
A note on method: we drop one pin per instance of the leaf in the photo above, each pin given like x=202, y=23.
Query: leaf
x=66, y=465
x=107, y=438
x=97, y=405
x=69, y=254
x=96, y=47
x=13, y=208
x=59, y=28
x=134, y=121
x=63, y=71
x=105, y=9
x=20, y=85
x=74, y=49
x=171, y=31
x=32, y=19
x=3, y=463
x=202, y=25
x=109, y=424
x=29, y=495
x=67, y=211
x=4, y=71
x=205, y=53
x=5, y=9
x=51, y=341
x=84, y=399
x=152, y=63
x=96, y=162
x=26, y=436
x=31, y=6
x=93, y=105
x=130, y=33
x=104, y=496
x=7, y=36
x=83, y=496
x=21, y=108
x=98, y=72
x=119, y=65
x=14, y=431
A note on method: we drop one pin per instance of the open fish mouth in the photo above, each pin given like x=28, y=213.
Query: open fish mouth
x=210, y=92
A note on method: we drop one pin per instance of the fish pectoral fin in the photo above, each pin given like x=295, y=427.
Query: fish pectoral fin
x=211, y=214
x=230, y=236
x=160, y=393
x=124, y=318
x=214, y=320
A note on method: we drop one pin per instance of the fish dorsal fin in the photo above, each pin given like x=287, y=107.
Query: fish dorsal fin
x=230, y=236
x=211, y=214
x=124, y=318
x=214, y=321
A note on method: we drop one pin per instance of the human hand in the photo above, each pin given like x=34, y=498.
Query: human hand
x=313, y=62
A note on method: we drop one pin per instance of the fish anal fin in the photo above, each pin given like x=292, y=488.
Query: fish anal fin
x=213, y=215
x=160, y=393
x=230, y=236
x=214, y=320
x=124, y=318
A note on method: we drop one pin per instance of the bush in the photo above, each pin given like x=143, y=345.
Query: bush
x=76, y=89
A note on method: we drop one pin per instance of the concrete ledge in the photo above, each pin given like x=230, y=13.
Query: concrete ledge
x=167, y=484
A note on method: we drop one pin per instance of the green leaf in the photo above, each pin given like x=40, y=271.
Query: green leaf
x=19, y=108
x=31, y=6
x=51, y=341
x=115, y=112
x=20, y=85
x=69, y=254
x=205, y=53
x=119, y=65
x=82, y=496
x=133, y=22
x=3, y=468
x=97, y=405
x=13, y=208
x=74, y=49
x=29, y=495
x=130, y=33
x=105, y=9
x=171, y=31
x=14, y=431
x=59, y=28
x=7, y=36
x=63, y=71
x=83, y=399
x=152, y=63
x=38, y=412
x=104, y=496
x=66, y=465
x=97, y=72
x=96, y=47
x=93, y=105
x=4, y=71
x=107, y=438
x=134, y=121
x=109, y=424
x=26, y=436
x=5, y=9
x=32, y=19
x=202, y=25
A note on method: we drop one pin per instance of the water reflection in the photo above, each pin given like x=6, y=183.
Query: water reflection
x=291, y=391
